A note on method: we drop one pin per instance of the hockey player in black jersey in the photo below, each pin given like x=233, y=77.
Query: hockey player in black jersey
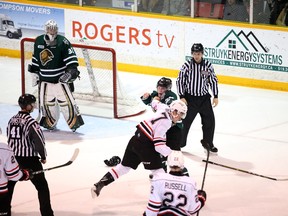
x=54, y=68
x=147, y=145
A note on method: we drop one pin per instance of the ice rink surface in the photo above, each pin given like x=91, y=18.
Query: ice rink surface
x=251, y=134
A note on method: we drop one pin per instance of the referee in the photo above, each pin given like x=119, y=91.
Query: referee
x=195, y=79
x=26, y=139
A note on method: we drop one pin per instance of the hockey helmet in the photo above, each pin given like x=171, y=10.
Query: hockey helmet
x=175, y=158
x=180, y=107
x=25, y=100
x=51, y=30
x=165, y=82
x=197, y=47
x=51, y=25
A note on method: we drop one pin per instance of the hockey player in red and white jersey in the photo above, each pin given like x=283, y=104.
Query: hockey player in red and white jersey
x=9, y=171
x=147, y=145
x=174, y=193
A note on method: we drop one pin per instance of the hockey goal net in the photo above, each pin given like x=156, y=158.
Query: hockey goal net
x=99, y=91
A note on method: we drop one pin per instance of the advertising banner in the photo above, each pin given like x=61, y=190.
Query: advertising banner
x=243, y=47
x=30, y=18
x=137, y=40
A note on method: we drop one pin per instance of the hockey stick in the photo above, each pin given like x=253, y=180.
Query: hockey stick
x=74, y=156
x=205, y=171
x=39, y=103
x=244, y=171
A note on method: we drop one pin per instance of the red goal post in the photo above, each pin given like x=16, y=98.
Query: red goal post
x=99, y=91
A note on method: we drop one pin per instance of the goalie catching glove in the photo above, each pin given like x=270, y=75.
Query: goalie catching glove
x=34, y=75
x=113, y=161
x=70, y=75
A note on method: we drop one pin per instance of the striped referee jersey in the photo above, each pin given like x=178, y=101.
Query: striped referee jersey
x=196, y=78
x=25, y=136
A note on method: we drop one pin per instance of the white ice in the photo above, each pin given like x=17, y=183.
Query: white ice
x=251, y=134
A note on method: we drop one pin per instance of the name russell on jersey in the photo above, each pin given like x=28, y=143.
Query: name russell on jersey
x=175, y=186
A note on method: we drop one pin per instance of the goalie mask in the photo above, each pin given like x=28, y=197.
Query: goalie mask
x=176, y=159
x=51, y=30
x=25, y=100
x=165, y=82
x=180, y=107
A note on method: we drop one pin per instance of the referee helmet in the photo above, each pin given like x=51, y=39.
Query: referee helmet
x=25, y=100
x=197, y=47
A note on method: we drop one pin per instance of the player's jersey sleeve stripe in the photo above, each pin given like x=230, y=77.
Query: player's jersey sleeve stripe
x=4, y=187
x=154, y=206
x=13, y=173
x=158, y=141
x=145, y=128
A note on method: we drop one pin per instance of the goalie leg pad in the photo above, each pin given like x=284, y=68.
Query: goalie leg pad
x=48, y=105
x=69, y=108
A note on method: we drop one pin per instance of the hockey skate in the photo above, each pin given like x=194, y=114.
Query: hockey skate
x=106, y=179
x=209, y=147
x=95, y=190
x=79, y=122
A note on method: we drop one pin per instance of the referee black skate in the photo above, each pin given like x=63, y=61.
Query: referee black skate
x=195, y=79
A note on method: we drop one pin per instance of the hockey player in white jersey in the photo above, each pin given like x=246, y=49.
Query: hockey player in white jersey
x=174, y=193
x=147, y=145
x=9, y=171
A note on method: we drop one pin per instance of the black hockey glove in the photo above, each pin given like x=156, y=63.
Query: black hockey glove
x=70, y=75
x=113, y=161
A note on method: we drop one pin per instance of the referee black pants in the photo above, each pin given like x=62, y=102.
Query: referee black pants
x=203, y=106
x=38, y=181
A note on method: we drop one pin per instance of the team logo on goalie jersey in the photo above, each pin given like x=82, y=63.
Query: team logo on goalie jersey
x=46, y=56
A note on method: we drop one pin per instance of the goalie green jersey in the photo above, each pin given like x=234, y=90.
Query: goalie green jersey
x=51, y=61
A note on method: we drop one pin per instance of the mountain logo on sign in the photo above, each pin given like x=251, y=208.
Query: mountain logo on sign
x=241, y=41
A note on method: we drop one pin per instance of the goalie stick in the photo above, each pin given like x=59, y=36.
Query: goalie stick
x=244, y=171
x=74, y=156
